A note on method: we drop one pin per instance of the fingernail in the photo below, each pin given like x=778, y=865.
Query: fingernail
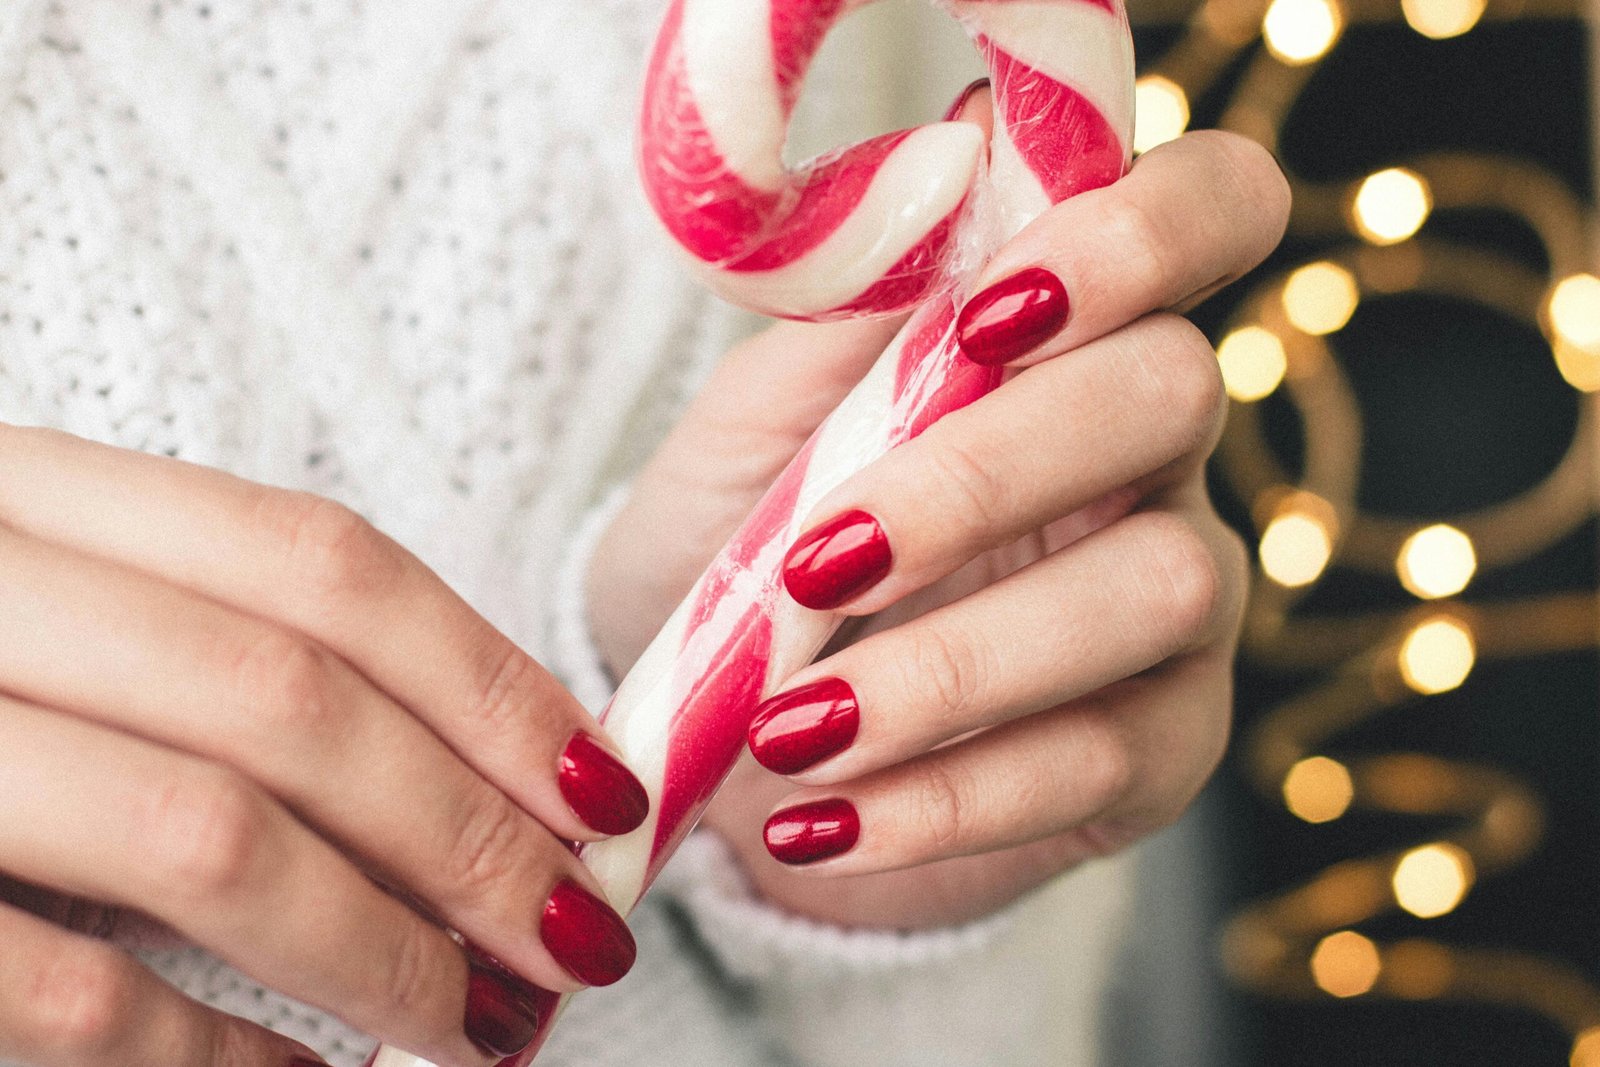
x=837, y=561
x=807, y=833
x=961, y=101
x=585, y=936
x=500, y=1019
x=801, y=728
x=1012, y=317
x=599, y=789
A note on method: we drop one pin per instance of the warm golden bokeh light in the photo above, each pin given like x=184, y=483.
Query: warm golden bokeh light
x=1295, y=549
x=1579, y=366
x=1299, y=31
x=1430, y=881
x=1586, y=1049
x=1391, y=205
x=1436, y=561
x=1319, y=298
x=1575, y=311
x=1318, y=789
x=1253, y=363
x=1345, y=964
x=1161, y=112
x=1437, y=655
x=1441, y=19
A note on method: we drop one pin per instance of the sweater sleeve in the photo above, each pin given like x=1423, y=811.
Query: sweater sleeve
x=1021, y=987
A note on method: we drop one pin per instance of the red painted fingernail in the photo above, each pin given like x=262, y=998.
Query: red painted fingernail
x=599, y=789
x=961, y=101
x=806, y=725
x=807, y=833
x=1012, y=317
x=837, y=561
x=585, y=936
x=501, y=1018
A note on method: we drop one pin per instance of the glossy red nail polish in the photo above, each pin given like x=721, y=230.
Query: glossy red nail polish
x=585, y=936
x=837, y=561
x=801, y=728
x=961, y=101
x=501, y=1018
x=1012, y=317
x=807, y=833
x=599, y=789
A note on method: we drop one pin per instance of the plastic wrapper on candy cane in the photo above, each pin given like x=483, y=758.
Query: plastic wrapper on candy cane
x=899, y=222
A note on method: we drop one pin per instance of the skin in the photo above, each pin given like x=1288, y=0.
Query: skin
x=191, y=663
x=1045, y=675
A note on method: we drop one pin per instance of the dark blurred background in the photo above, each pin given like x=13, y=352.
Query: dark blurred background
x=1440, y=745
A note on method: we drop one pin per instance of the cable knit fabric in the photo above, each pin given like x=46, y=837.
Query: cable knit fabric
x=391, y=251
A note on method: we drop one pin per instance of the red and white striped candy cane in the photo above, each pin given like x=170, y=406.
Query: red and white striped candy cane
x=896, y=222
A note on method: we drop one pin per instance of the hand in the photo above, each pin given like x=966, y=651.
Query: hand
x=1043, y=673
x=238, y=710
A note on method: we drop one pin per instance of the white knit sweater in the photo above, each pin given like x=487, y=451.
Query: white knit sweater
x=391, y=251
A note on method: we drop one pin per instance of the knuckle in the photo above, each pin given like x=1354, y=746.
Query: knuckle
x=287, y=678
x=81, y=1002
x=947, y=671
x=209, y=831
x=1143, y=247
x=1186, y=583
x=512, y=679
x=1106, y=771
x=488, y=844
x=335, y=555
x=411, y=980
x=978, y=495
x=1261, y=184
x=1187, y=380
x=941, y=803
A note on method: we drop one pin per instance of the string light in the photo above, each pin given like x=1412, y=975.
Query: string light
x=1437, y=655
x=1345, y=964
x=1319, y=298
x=1295, y=549
x=1430, y=881
x=1391, y=205
x=1436, y=561
x=1301, y=31
x=1318, y=789
x=1253, y=363
x=1441, y=19
x=1161, y=112
x=1586, y=1049
x=1575, y=311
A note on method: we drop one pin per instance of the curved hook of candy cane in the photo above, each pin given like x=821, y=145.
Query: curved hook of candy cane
x=870, y=228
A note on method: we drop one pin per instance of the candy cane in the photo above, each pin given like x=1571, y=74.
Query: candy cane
x=897, y=222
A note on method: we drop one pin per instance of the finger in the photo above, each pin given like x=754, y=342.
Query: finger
x=318, y=568
x=1089, y=777
x=1135, y=408
x=1190, y=216
x=97, y=813
x=1116, y=603
x=187, y=672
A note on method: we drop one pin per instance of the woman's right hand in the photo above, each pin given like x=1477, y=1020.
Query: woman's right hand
x=239, y=710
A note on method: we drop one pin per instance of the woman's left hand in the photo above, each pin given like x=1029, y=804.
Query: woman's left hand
x=1048, y=603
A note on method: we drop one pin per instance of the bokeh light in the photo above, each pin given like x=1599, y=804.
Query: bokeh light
x=1436, y=561
x=1586, y=1049
x=1441, y=19
x=1318, y=789
x=1161, y=112
x=1345, y=964
x=1319, y=298
x=1295, y=549
x=1391, y=205
x=1575, y=311
x=1253, y=363
x=1300, y=31
x=1430, y=881
x=1437, y=655
x=1579, y=366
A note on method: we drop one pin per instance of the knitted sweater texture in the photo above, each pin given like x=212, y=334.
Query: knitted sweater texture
x=391, y=251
